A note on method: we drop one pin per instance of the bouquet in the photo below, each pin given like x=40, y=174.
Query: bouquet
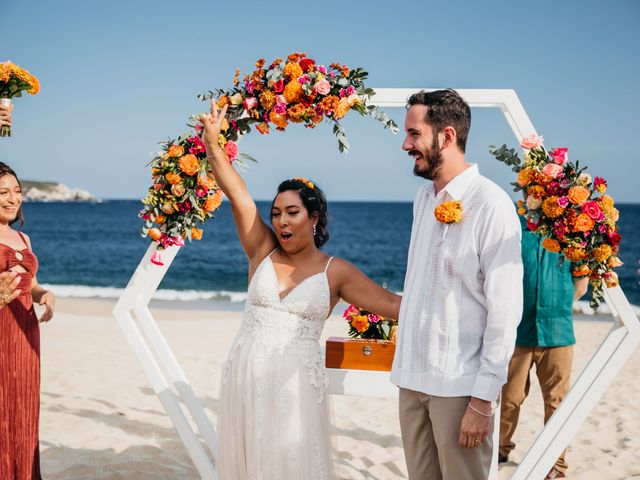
x=365, y=324
x=13, y=81
x=184, y=193
x=569, y=208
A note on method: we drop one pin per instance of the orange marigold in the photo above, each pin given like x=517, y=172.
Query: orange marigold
x=175, y=151
x=260, y=62
x=551, y=208
x=525, y=176
x=329, y=104
x=448, y=212
x=189, y=164
x=551, y=245
x=173, y=178
x=296, y=56
x=578, y=195
x=583, y=223
x=581, y=271
x=267, y=99
x=342, y=108
x=292, y=91
x=536, y=191
x=575, y=254
x=292, y=70
x=280, y=121
x=222, y=101
x=601, y=252
x=212, y=202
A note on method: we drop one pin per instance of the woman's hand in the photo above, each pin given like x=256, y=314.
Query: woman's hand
x=212, y=123
x=9, y=290
x=5, y=114
x=48, y=299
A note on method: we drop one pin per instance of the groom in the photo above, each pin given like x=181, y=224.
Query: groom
x=462, y=298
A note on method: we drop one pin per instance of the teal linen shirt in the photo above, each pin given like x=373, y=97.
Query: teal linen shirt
x=547, y=315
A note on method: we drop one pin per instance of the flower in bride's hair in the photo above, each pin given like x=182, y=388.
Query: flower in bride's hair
x=449, y=212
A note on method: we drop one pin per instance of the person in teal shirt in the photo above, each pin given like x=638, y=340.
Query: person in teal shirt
x=545, y=339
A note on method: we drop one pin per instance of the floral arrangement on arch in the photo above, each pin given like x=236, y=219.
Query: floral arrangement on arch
x=13, y=81
x=570, y=209
x=184, y=193
x=364, y=324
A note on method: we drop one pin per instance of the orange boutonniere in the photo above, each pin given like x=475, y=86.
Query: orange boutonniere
x=449, y=212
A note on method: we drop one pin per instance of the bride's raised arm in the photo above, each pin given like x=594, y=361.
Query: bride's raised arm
x=256, y=237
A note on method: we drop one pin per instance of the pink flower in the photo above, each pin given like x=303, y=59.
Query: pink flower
x=532, y=141
x=302, y=79
x=322, y=69
x=250, y=103
x=231, y=149
x=592, y=209
x=343, y=92
x=196, y=145
x=563, y=201
x=250, y=87
x=350, y=310
x=278, y=86
x=322, y=87
x=602, y=228
x=201, y=192
x=552, y=170
x=373, y=318
x=351, y=90
x=280, y=108
x=559, y=155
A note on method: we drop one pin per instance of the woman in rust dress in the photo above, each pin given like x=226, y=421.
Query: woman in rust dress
x=19, y=339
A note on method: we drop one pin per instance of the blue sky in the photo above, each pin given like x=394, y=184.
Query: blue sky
x=118, y=77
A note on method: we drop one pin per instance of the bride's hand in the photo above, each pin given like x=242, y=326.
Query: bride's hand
x=212, y=124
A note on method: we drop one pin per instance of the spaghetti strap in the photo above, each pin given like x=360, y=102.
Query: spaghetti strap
x=24, y=240
x=328, y=263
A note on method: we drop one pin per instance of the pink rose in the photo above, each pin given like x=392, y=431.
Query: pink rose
x=563, y=201
x=322, y=87
x=231, y=149
x=592, y=209
x=532, y=141
x=559, y=155
x=552, y=170
x=373, y=318
x=322, y=69
x=250, y=103
x=349, y=310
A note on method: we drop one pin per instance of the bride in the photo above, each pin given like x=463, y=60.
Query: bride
x=274, y=421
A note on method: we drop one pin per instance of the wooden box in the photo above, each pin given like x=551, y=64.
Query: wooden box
x=359, y=354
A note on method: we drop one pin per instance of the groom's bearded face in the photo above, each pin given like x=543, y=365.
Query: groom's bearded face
x=428, y=160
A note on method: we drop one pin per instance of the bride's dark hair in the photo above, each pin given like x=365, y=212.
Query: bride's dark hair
x=7, y=170
x=314, y=201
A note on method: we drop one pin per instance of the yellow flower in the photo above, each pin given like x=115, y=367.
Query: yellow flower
x=448, y=212
x=551, y=208
x=360, y=323
x=601, y=252
x=292, y=91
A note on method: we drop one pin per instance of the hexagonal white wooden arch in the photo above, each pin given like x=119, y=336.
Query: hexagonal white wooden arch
x=171, y=385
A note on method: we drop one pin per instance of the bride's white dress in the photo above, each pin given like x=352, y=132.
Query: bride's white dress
x=274, y=420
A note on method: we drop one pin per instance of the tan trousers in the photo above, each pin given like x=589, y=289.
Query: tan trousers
x=430, y=435
x=553, y=368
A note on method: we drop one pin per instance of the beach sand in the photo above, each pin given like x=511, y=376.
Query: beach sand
x=101, y=420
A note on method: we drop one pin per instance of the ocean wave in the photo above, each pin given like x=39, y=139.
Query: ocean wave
x=85, y=291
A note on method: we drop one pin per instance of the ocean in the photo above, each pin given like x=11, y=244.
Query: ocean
x=92, y=249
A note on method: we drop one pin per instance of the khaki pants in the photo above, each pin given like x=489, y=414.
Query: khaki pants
x=553, y=368
x=430, y=435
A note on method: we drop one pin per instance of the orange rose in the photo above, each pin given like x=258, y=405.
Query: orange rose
x=581, y=271
x=175, y=151
x=207, y=180
x=212, y=202
x=583, y=223
x=360, y=323
x=196, y=233
x=551, y=245
x=173, y=178
x=278, y=120
x=155, y=234
x=292, y=91
x=296, y=112
x=189, y=164
x=342, y=109
x=551, y=208
x=578, y=195
x=159, y=219
x=602, y=252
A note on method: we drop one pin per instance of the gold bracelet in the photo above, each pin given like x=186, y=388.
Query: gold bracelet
x=478, y=411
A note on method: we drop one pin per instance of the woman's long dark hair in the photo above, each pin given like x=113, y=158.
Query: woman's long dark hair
x=7, y=170
x=314, y=201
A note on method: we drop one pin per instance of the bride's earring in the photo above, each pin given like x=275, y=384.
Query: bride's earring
x=314, y=229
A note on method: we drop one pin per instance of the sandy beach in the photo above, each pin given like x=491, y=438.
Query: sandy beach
x=101, y=420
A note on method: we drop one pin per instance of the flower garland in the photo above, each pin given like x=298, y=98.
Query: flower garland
x=449, y=212
x=365, y=324
x=569, y=208
x=13, y=81
x=184, y=193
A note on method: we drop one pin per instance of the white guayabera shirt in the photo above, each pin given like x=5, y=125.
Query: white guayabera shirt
x=462, y=298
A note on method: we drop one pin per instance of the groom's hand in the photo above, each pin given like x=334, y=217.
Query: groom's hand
x=476, y=423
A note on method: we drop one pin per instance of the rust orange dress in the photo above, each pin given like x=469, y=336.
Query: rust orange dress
x=19, y=373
